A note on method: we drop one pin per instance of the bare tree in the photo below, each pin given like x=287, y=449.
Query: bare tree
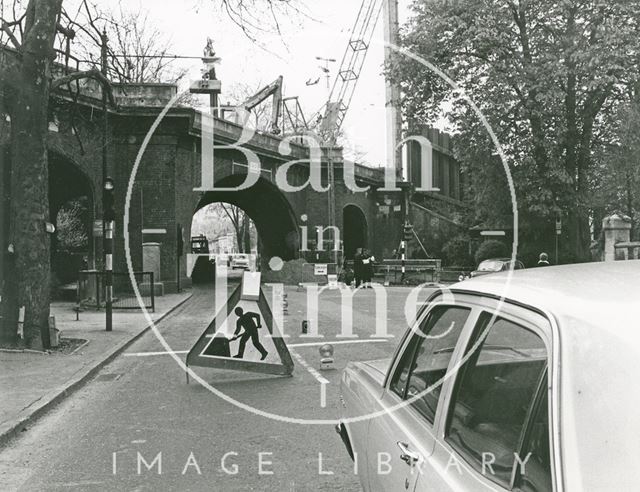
x=254, y=17
x=241, y=225
x=137, y=51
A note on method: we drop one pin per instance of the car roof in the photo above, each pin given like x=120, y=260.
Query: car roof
x=577, y=290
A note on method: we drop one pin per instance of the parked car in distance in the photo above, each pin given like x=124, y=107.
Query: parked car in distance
x=526, y=384
x=496, y=265
x=240, y=260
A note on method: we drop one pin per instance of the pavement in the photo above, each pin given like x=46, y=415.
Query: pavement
x=54, y=376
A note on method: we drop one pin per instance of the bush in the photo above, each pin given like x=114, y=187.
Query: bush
x=491, y=249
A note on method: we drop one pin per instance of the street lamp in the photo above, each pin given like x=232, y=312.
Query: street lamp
x=108, y=221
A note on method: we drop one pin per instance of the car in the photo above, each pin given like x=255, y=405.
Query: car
x=496, y=265
x=522, y=380
x=240, y=260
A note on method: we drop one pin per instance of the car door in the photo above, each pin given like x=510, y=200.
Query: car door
x=494, y=434
x=401, y=439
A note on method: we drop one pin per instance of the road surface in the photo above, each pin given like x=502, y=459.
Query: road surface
x=138, y=426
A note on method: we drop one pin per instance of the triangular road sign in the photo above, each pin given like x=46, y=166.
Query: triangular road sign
x=241, y=342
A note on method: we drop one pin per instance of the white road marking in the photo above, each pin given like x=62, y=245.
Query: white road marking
x=323, y=381
x=337, y=342
x=323, y=395
x=293, y=345
x=146, y=354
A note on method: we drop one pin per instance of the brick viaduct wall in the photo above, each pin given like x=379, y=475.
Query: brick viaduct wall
x=163, y=194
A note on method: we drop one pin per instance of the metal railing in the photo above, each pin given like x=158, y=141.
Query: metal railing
x=416, y=271
x=91, y=290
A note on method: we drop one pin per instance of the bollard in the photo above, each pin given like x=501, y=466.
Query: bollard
x=326, y=357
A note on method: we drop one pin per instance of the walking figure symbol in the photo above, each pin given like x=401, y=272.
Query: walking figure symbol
x=250, y=322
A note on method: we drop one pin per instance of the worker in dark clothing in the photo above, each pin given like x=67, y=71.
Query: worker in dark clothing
x=250, y=322
x=367, y=268
x=358, y=267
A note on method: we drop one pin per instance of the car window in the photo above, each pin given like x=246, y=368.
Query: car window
x=491, y=266
x=493, y=395
x=425, y=361
x=534, y=475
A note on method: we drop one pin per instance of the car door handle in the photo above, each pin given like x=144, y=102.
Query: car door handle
x=406, y=455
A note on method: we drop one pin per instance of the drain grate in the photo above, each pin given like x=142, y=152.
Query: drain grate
x=107, y=377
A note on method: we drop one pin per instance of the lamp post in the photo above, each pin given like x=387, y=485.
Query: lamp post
x=108, y=221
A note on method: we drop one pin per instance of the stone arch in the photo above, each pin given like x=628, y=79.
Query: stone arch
x=269, y=209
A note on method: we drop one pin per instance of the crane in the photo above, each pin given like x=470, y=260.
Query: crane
x=335, y=110
x=273, y=89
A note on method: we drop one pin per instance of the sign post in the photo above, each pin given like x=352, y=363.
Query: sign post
x=558, y=233
x=109, y=216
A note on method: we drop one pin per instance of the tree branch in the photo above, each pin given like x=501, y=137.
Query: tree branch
x=6, y=27
x=94, y=74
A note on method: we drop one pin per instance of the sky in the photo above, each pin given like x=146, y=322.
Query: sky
x=323, y=31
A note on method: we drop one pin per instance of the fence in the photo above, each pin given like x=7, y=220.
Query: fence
x=91, y=289
x=416, y=271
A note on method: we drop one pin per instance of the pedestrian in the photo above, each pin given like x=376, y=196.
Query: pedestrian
x=367, y=260
x=250, y=322
x=543, y=260
x=358, y=266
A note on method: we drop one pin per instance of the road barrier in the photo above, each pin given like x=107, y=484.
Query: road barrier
x=416, y=271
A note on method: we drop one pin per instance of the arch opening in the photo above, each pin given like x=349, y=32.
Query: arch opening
x=270, y=214
x=71, y=211
x=354, y=230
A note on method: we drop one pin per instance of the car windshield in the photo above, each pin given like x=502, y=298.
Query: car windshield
x=490, y=266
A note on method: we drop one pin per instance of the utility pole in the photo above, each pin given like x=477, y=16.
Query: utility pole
x=392, y=89
x=105, y=130
x=108, y=221
x=331, y=205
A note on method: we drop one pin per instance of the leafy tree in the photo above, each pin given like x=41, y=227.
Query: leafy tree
x=456, y=251
x=549, y=76
x=616, y=176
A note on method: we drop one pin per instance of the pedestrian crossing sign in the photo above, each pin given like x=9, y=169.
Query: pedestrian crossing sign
x=247, y=339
